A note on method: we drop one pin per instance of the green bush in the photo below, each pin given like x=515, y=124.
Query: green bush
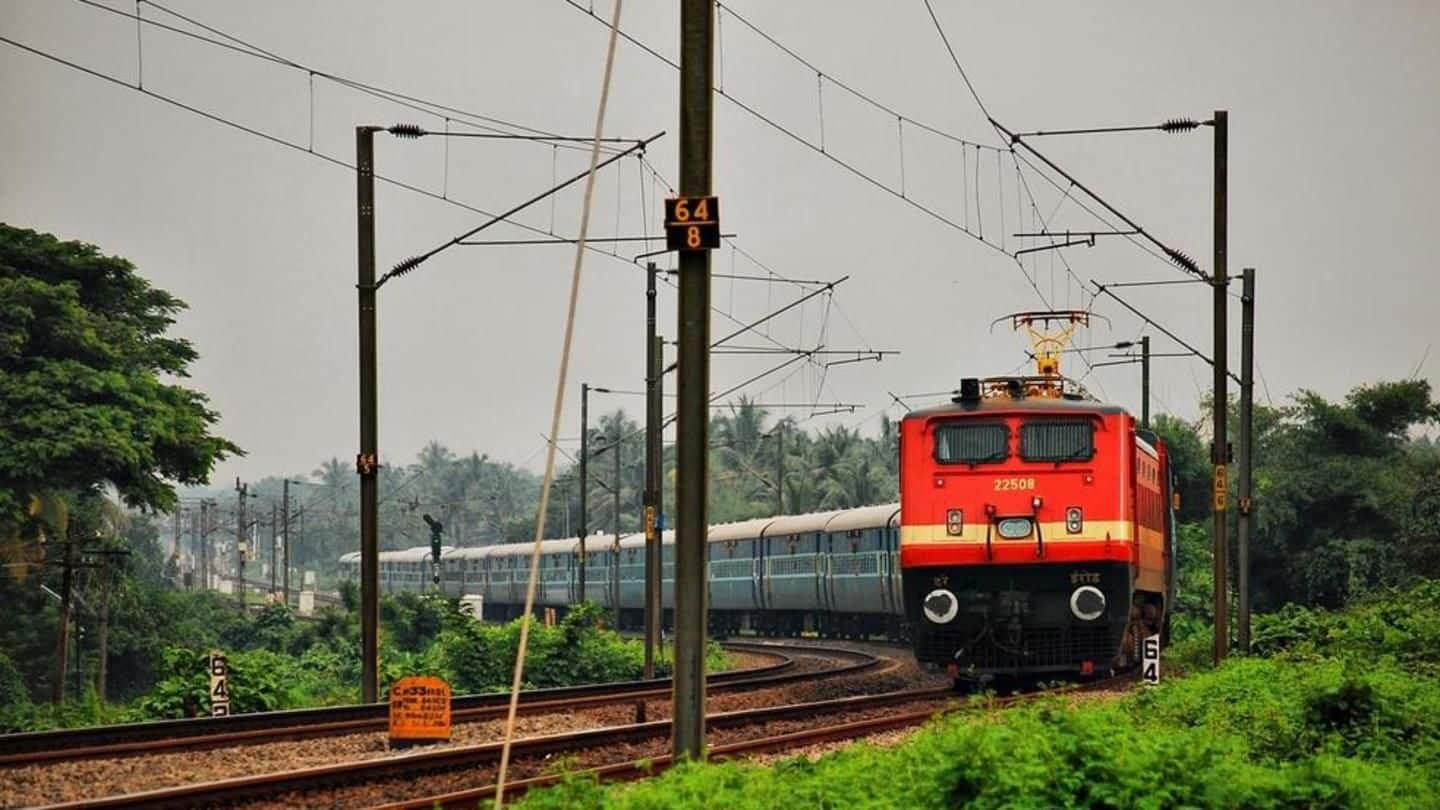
x=13, y=694
x=1345, y=714
x=259, y=681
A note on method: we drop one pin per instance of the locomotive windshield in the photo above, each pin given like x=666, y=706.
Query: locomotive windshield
x=967, y=443
x=1054, y=440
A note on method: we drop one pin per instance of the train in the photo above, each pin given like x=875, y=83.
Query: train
x=1036, y=525
x=834, y=573
x=1034, y=536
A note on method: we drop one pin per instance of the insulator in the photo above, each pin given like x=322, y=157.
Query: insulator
x=1183, y=260
x=406, y=131
x=406, y=266
x=1179, y=125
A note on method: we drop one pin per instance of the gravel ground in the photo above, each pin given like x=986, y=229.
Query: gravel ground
x=74, y=781
x=527, y=767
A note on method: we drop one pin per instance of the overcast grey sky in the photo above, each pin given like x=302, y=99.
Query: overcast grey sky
x=1333, y=194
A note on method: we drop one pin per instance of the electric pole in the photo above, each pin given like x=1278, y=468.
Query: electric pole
x=240, y=490
x=1145, y=381
x=1247, y=450
x=615, y=567
x=285, y=554
x=697, y=29
x=274, y=541
x=104, y=672
x=62, y=635
x=654, y=348
x=204, y=549
x=1219, y=452
x=584, y=480
x=779, y=468
x=108, y=555
x=367, y=463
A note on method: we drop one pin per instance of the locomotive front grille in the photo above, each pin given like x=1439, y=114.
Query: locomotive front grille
x=1047, y=648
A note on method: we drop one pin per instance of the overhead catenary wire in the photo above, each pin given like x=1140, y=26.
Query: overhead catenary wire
x=1175, y=257
x=817, y=147
x=302, y=147
x=557, y=410
x=238, y=45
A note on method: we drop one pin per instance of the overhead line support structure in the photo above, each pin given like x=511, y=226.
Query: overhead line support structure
x=1145, y=381
x=1105, y=289
x=1180, y=258
x=367, y=462
x=654, y=404
x=697, y=57
x=584, y=482
x=1219, y=451
x=1246, y=458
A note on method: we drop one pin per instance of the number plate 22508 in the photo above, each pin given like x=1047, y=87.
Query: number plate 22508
x=1014, y=484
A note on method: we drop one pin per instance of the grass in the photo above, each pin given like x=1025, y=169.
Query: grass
x=1345, y=713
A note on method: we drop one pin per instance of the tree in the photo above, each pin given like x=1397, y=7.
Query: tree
x=83, y=349
x=1345, y=501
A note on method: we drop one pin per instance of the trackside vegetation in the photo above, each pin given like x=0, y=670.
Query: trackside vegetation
x=1341, y=709
x=280, y=662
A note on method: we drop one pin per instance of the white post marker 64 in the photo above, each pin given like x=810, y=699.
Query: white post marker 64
x=219, y=685
x=1150, y=659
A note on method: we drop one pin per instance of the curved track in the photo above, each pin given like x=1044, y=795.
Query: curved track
x=142, y=739
x=460, y=776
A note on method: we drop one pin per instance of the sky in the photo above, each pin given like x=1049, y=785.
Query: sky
x=1332, y=186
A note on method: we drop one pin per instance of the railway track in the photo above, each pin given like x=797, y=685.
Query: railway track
x=460, y=776
x=142, y=739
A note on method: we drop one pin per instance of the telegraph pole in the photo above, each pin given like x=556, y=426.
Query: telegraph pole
x=240, y=491
x=584, y=479
x=615, y=566
x=1219, y=452
x=204, y=550
x=104, y=672
x=285, y=554
x=367, y=463
x=697, y=29
x=654, y=348
x=62, y=635
x=106, y=581
x=1145, y=381
x=780, y=468
x=274, y=539
x=1247, y=450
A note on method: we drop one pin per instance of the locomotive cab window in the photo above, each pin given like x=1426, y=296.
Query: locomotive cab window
x=966, y=443
x=1057, y=441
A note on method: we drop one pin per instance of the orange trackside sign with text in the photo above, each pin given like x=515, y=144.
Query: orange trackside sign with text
x=419, y=709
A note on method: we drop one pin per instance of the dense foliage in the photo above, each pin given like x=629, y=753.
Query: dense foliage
x=280, y=662
x=1347, y=498
x=1345, y=714
x=83, y=350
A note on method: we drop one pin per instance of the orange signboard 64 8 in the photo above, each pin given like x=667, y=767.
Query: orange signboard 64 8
x=419, y=709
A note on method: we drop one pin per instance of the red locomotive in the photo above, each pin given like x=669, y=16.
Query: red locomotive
x=1035, y=525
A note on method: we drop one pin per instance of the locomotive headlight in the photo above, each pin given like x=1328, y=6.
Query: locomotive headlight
x=1074, y=520
x=940, y=606
x=955, y=522
x=1014, y=528
x=1087, y=603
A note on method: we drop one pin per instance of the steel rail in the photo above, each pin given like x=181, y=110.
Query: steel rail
x=144, y=739
x=348, y=774
x=635, y=770
x=201, y=733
